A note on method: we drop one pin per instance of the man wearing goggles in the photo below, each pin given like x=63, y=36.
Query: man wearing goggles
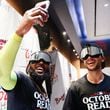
x=23, y=93
x=39, y=70
x=92, y=91
x=93, y=52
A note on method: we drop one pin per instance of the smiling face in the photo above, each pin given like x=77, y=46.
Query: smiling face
x=39, y=67
x=39, y=63
x=93, y=63
x=93, y=57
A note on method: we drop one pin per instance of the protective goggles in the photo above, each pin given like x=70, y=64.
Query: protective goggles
x=37, y=61
x=91, y=51
x=41, y=56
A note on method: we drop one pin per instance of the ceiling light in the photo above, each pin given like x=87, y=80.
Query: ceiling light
x=68, y=40
x=64, y=33
x=76, y=54
x=106, y=5
x=78, y=57
x=74, y=50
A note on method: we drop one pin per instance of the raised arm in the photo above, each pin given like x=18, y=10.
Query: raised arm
x=38, y=15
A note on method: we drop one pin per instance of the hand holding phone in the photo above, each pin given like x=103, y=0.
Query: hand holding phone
x=44, y=4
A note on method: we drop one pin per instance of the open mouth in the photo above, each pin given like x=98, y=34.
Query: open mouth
x=39, y=70
x=90, y=63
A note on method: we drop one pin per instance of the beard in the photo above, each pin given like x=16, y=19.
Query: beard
x=36, y=77
x=39, y=78
x=94, y=68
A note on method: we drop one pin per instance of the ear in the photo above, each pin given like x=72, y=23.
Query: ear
x=28, y=69
x=103, y=58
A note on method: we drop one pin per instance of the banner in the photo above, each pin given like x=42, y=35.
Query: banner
x=9, y=20
x=61, y=82
x=29, y=45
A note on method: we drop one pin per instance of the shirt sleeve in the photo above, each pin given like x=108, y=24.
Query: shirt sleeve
x=7, y=58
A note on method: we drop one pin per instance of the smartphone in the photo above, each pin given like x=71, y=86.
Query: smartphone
x=47, y=4
x=44, y=4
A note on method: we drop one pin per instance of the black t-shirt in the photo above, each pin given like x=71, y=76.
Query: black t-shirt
x=25, y=96
x=83, y=95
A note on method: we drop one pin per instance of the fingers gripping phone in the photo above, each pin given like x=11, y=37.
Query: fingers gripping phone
x=44, y=4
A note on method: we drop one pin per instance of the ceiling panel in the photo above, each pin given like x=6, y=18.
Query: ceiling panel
x=102, y=17
x=88, y=9
x=97, y=18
